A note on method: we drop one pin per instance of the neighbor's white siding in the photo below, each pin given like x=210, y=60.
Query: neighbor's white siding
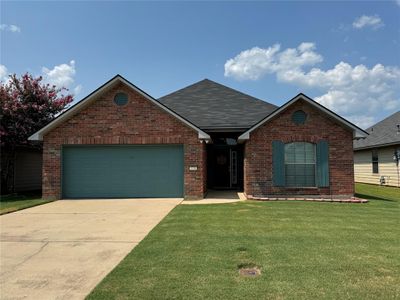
x=387, y=166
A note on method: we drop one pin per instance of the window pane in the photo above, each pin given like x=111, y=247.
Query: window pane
x=374, y=155
x=289, y=153
x=290, y=170
x=310, y=181
x=290, y=180
x=375, y=159
x=300, y=181
x=289, y=157
x=310, y=153
x=300, y=164
x=300, y=153
x=309, y=170
x=299, y=170
x=375, y=168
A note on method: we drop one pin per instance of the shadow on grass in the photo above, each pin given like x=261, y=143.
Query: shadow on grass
x=371, y=197
x=31, y=195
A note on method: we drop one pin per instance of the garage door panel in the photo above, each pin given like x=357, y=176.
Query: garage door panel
x=122, y=171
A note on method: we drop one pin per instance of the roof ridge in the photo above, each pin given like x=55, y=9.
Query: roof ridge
x=239, y=92
x=181, y=89
x=221, y=85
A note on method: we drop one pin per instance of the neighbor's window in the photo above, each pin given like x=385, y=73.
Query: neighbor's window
x=375, y=162
x=300, y=164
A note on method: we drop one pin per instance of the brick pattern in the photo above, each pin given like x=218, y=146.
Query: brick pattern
x=258, y=153
x=314, y=199
x=138, y=122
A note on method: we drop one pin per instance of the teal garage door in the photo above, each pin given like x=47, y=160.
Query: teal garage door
x=122, y=171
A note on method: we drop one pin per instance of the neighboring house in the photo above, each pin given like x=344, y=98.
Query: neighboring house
x=376, y=158
x=121, y=142
x=25, y=171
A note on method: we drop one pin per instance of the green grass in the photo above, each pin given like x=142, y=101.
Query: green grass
x=370, y=191
x=305, y=250
x=11, y=203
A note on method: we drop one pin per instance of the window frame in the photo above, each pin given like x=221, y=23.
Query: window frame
x=314, y=184
x=119, y=94
x=375, y=161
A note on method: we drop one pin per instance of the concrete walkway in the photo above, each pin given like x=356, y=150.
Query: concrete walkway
x=218, y=197
x=62, y=250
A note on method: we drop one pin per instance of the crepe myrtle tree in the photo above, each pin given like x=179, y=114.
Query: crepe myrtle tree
x=27, y=104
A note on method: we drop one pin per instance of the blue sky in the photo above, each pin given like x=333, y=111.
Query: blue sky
x=344, y=55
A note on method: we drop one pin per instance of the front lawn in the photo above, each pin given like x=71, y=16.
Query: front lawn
x=11, y=203
x=371, y=191
x=305, y=250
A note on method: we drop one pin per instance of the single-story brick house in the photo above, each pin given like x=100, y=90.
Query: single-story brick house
x=121, y=142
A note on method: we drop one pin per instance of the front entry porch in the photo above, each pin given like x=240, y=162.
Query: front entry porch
x=225, y=163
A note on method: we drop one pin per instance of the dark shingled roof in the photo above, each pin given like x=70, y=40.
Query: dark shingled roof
x=383, y=133
x=210, y=105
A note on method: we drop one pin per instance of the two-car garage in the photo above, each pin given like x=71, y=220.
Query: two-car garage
x=122, y=171
x=119, y=142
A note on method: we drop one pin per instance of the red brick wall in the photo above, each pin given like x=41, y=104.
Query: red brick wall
x=138, y=122
x=258, y=152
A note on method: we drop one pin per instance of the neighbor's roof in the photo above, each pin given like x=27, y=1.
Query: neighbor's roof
x=384, y=133
x=38, y=136
x=210, y=105
x=357, y=131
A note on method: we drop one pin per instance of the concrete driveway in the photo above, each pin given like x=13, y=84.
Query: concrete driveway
x=63, y=249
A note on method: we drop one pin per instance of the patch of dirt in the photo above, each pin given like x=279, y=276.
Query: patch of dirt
x=243, y=210
x=249, y=270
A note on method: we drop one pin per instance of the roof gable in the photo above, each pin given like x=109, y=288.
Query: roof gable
x=93, y=96
x=211, y=105
x=357, y=132
x=385, y=132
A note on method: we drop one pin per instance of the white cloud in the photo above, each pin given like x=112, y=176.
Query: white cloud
x=374, y=22
x=61, y=75
x=3, y=73
x=398, y=2
x=11, y=28
x=256, y=62
x=252, y=63
x=357, y=92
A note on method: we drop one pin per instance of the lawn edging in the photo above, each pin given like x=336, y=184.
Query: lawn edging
x=25, y=207
x=337, y=200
